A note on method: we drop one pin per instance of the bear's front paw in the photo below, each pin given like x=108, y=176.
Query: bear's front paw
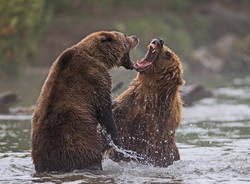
x=117, y=142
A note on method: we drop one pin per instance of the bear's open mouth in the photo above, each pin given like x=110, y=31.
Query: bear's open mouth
x=153, y=51
x=127, y=62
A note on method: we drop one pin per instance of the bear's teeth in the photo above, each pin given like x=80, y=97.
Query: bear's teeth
x=153, y=51
x=139, y=64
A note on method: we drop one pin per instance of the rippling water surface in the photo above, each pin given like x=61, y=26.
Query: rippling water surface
x=214, y=143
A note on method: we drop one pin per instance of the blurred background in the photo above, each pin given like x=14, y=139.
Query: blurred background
x=212, y=38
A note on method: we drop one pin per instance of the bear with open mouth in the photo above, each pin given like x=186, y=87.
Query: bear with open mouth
x=149, y=111
x=74, y=99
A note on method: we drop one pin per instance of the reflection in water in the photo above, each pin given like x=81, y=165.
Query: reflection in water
x=14, y=135
x=214, y=142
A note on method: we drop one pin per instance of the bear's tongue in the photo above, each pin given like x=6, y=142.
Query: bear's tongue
x=148, y=59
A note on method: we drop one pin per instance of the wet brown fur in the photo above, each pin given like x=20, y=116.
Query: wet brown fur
x=74, y=99
x=149, y=111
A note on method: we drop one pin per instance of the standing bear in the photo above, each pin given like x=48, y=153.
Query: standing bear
x=75, y=98
x=149, y=111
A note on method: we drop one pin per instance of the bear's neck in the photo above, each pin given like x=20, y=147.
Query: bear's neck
x=162, y=100
x=163, y=91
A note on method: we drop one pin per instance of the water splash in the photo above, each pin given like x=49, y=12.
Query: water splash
x=126, y=153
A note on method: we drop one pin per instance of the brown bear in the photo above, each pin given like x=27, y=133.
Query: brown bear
x=75, y=98
x=149, y=111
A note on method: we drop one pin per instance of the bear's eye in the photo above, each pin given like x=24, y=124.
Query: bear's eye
x=168, y=55
x=108, y=39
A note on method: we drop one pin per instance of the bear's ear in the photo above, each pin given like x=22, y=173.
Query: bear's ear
x=65, y=57
x=106, y=37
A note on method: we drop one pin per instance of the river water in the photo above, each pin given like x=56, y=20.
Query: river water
x=214, y=144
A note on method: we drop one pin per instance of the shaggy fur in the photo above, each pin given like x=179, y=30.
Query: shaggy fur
x=75, y=98
x=149, y=111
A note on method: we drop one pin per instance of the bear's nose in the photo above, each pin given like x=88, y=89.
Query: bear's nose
x=134, y=37
x=158, y=41
x=161, y=41
x=135, y=40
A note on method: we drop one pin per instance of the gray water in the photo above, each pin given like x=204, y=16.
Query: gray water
x=214, y=144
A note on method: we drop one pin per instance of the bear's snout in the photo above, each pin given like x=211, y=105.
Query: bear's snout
x=134, y=41
x=158, y=42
